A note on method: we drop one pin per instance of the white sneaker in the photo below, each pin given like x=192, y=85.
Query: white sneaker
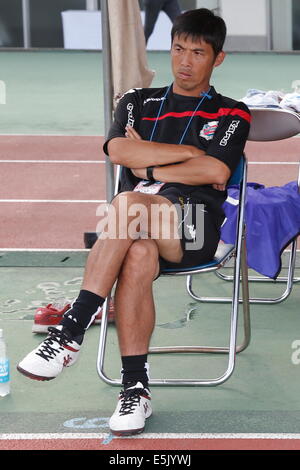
x=47, y=361
x=133, y=408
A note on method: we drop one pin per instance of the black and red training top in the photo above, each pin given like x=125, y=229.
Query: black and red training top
x=220, y=127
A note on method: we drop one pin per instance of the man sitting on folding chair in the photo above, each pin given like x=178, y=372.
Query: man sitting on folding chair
x=177, y=146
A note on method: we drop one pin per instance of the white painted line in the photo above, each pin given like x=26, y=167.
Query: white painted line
x=273, y=163
x=51, y=135
x=45, y=250
x=77, y=201
x=42, y=436
x=66, y=249
x=39, y=436
x=70, y=249
x=52, y=161
x=28, y=250
x=219, y=436
x=103, y=161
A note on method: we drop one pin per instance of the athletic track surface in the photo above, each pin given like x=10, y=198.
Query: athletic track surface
x=51, y=178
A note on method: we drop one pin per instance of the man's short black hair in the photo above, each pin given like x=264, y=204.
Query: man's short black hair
x=201, y=24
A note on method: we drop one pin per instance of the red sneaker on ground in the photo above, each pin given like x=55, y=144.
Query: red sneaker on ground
x=52, y=314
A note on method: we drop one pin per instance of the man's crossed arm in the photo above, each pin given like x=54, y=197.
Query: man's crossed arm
x=193, y=166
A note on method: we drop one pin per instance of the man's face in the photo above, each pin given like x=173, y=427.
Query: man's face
x=192, y=65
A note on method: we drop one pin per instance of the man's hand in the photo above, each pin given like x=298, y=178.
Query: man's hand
x=131, y=133
x=140, y=173
x=219, y=187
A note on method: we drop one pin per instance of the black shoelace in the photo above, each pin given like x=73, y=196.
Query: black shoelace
x=47, y=350
x=130, y=400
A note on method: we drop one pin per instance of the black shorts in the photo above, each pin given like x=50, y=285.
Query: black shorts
x=199, y=231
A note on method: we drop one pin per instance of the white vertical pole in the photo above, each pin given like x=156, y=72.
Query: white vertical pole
x=26, y=23
x=108, y=92
x=282, y=25
x=92, y=5
x=269, y=25
x=2, y=92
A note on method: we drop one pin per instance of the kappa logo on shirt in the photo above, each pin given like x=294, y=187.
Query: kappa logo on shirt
x=130, y=118
x=153, y=99
x=208, y=130
x=230, y=131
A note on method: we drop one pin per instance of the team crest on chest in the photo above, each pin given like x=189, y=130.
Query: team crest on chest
x=208, y=130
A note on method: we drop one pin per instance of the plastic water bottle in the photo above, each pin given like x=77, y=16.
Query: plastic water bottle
x=4, y=368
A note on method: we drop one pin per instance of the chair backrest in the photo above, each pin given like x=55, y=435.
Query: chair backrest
x=270, y=124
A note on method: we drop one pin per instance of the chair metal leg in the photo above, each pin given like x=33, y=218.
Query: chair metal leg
x=231, y=350
x=246, y=304
x=279, y=279
x=217, y=349
x=102, y=346
x=290, y=280
x=240, y=267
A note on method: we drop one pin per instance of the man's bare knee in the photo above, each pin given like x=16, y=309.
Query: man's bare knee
x=141, y=261
x=129, y=216
x=129, y=197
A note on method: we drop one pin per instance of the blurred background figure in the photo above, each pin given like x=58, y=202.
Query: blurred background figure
x=152, y=10
x=5, y=39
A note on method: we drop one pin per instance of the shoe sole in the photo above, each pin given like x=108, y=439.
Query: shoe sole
x=129, y=432
x=44, y=328
x=33, y=376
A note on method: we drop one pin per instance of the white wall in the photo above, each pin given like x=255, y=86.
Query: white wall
x=82, y=30
x=245, y=17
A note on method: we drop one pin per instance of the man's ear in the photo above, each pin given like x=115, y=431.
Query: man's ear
x=219, y=59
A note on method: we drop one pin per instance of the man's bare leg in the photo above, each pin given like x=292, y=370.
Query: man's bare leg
x=134, y=304
x=107, y=256
x=135, y=316
x=135, y=264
